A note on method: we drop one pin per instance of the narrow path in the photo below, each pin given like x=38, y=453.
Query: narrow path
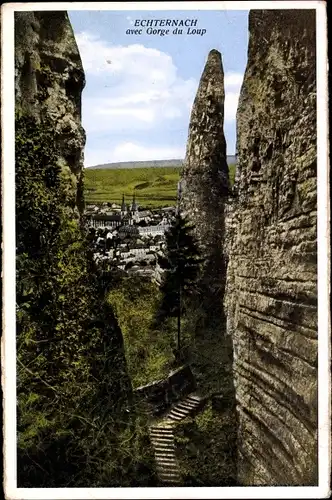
x=162, y=439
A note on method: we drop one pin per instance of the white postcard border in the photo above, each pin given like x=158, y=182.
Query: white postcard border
x=8, y=341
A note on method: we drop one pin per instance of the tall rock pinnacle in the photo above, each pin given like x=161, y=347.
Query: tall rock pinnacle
x=204, y=182
x=204, y=192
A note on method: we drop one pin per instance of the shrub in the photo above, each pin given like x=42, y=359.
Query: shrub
x=72, y=383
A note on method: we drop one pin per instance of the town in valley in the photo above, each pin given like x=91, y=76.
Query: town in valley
x=129, y=237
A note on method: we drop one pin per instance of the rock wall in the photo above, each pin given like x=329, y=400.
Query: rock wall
x=204, y=180
x=271, y=290
x=49, y=80
x=78, y=340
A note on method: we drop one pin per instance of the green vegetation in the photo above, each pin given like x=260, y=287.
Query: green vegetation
x=205, y=448
x=154, y=187
x=181, y=264
x=72, y=383
x=231, y=170
x=148, y=350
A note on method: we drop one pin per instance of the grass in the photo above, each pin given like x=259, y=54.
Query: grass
x=148, y=350
x=154, y=186
x=206, y=448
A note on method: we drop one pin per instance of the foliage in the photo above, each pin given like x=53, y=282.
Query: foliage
x=231, y=173
x=205, y=447
x=180, y=262
x=148, y=350
x=72, y=384
x=154, y=187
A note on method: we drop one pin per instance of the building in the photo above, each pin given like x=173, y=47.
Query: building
x=105, y=220
x=128, y=230
x=153, y=230
x=129, y=209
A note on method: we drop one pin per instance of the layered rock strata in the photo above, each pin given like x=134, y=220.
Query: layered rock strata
x=271, y=290
x=49, y=80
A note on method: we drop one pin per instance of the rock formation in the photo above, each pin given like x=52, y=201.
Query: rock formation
x=64, y=303
x=49, y=80
x=204, y=180
x=271, y=290
x=204, y=191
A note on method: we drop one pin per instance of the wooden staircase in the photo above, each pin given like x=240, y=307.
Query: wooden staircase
x=162, y=439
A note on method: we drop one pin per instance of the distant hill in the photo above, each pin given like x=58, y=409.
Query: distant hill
x=148, y=164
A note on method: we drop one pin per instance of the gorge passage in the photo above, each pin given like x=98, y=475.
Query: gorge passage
x=239, y=405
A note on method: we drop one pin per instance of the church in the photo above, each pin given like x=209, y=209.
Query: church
x=129, y=209
x=127, y=216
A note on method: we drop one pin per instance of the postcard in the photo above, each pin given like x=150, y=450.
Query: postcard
x=165, y=250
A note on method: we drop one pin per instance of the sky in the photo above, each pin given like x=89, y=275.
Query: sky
x=140, y=88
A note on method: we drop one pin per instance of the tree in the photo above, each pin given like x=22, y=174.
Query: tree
x=180, y=262
x=72, y=385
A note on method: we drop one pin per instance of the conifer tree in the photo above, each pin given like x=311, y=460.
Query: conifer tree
x=180, y=262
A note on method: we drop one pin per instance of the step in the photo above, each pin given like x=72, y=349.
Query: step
x=164, y=471
x=167, y=467
x=162, y=447
x=167, y=460
x=183, y=409
x=168, y=437
x=164, y=451
x=163, y=433
x=194, y=398
x=169, y=476
x=186, y=406
x=178, y=414
x=165, y=441
x=176, y=409
x=169, y=443
x=171, y=461
x=170, y=479
x=168, y=457
x=161, y=429
x=175, y=417
x=191, y=402
x=162, y=436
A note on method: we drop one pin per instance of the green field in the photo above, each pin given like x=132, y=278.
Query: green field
x=154, y=186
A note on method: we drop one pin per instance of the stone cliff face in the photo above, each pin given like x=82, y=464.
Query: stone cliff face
x=204, y=180
x=49, y=80
x=271, y=290
x=81, y=340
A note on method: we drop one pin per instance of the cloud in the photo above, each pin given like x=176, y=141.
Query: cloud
x=232, y=82
x=230, y=106
x=135, y=95
x=137, y=152
x=138, y=87
x=131, y=151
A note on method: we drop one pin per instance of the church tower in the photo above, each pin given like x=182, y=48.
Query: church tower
x=134, y=205
x=123, y=206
